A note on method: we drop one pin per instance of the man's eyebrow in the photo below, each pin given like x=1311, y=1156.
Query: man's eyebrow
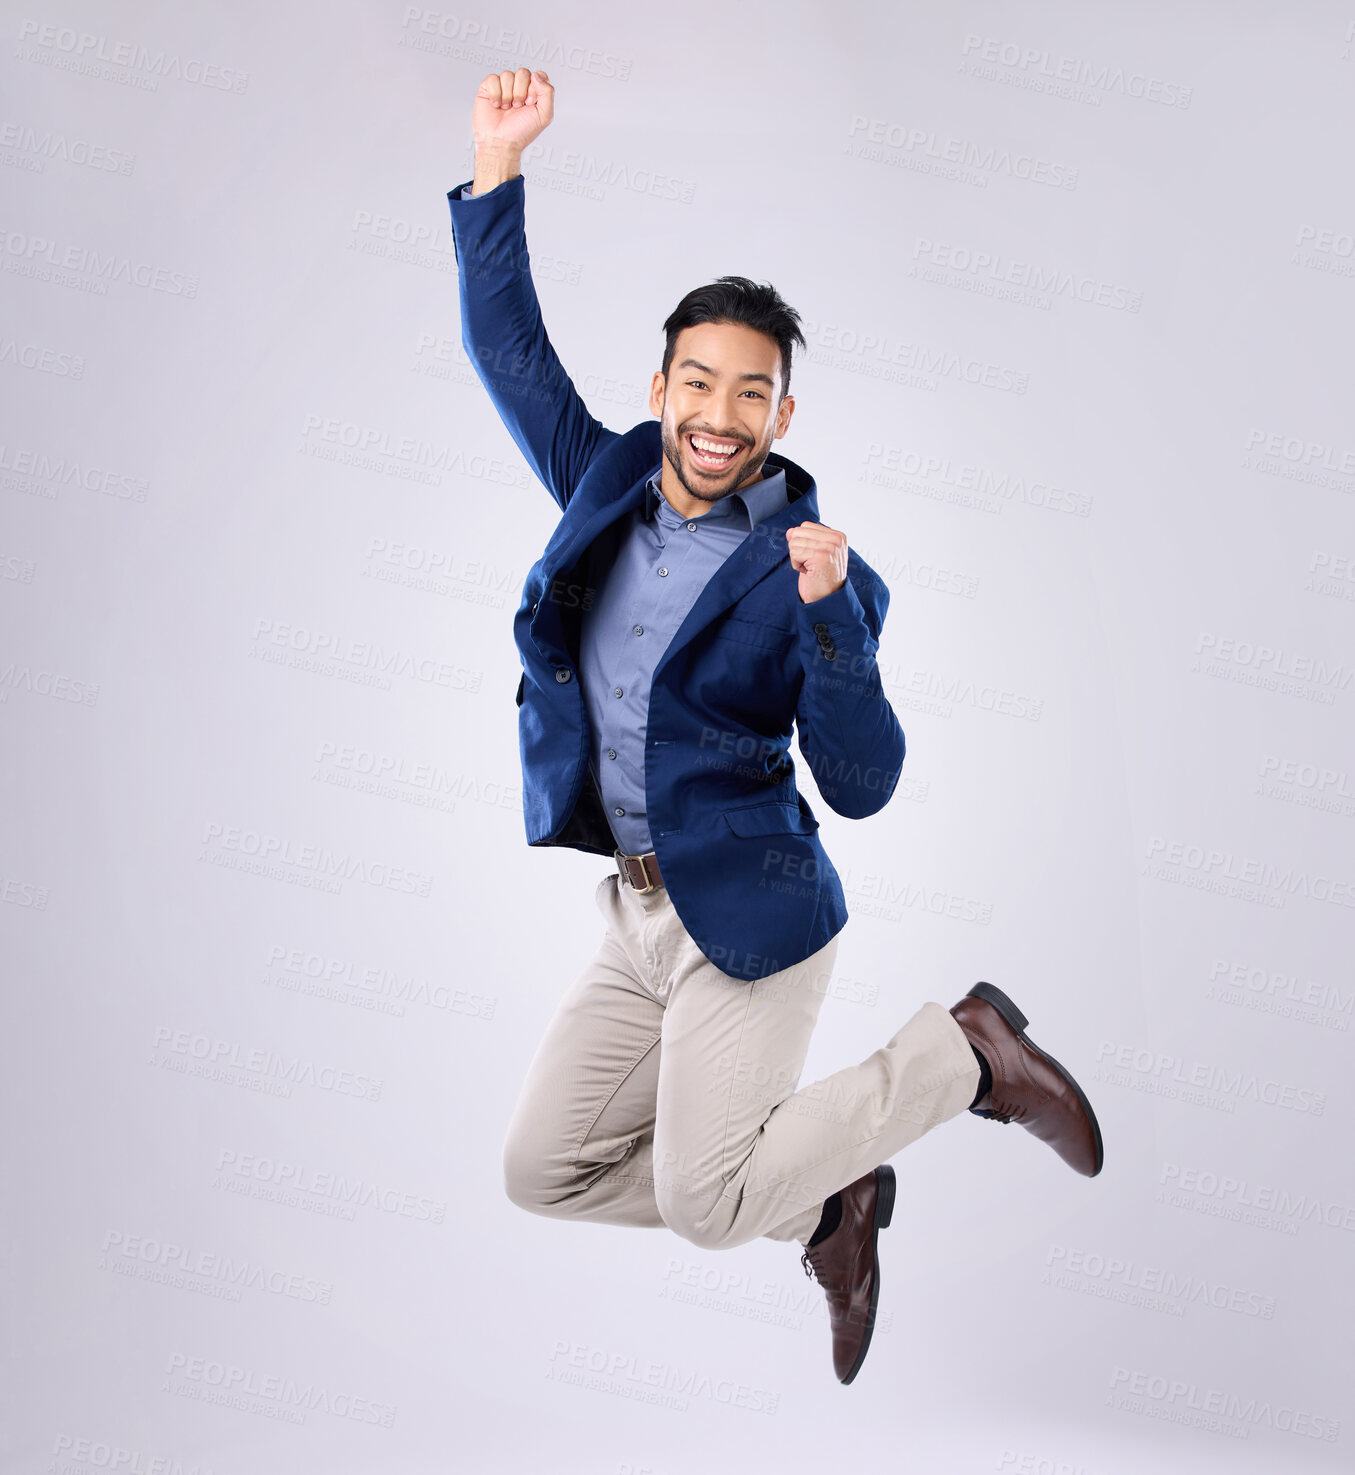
x=714, y=374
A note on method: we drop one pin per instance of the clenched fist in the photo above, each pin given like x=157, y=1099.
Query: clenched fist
x=511, y=108
x=819, y=555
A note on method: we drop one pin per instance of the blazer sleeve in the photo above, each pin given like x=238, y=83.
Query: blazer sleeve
x=505, y=339
x=845, y=726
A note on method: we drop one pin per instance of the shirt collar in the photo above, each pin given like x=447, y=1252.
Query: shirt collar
x=753, y=503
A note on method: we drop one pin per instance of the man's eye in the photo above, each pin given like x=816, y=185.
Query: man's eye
x=694, y=382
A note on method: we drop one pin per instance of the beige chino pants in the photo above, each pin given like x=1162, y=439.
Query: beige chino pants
x=664, y=1092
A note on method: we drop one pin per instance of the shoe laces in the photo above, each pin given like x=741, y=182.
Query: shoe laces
x=1001, y=1112
x=837, y=1300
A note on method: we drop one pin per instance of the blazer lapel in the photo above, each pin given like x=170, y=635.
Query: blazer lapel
x=762, y=551
x=626, y=463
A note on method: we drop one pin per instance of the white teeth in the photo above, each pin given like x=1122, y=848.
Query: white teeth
x=711, y=449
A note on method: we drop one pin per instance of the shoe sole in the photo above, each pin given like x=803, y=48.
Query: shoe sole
x=885, y=1187
x=990, y=994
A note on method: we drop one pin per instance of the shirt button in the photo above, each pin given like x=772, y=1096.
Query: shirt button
x=611, y=752
x=691, y=527
x=561, y=675
x=639, y=629
x=616, y=691
x=663, y=573
x=618, y=810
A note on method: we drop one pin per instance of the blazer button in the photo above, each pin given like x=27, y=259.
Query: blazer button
x=819, y=627
x=562, y=674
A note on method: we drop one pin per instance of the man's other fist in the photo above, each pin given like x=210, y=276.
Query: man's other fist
x=511, y=108
x=819, y=555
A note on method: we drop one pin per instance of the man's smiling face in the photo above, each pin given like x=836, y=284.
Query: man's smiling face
x=720, y=407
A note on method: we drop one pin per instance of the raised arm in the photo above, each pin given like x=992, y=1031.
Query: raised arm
x=501, y=325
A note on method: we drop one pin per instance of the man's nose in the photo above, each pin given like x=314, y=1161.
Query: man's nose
x=725, y=415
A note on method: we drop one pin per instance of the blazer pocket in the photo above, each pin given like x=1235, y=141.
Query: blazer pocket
x=755, y=632
x=770, y=819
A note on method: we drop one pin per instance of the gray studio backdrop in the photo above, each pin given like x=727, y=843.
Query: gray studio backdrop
x=1078, y=282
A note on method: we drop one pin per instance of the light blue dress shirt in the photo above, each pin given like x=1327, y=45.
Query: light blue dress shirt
x=663, y=561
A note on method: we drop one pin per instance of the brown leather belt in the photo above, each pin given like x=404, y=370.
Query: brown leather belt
x=642, y=871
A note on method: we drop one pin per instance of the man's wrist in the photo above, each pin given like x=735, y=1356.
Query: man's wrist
x=818, y=597
x=494, y=168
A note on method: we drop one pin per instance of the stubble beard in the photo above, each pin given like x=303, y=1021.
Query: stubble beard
x=672, y=450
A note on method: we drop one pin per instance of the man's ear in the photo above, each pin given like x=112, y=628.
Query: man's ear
x=783, y=413
x=657, y=386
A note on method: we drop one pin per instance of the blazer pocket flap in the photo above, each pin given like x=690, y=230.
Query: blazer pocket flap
x=770, y=819
x=755, y=632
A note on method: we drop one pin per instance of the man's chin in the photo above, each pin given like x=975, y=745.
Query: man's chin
x=718, y=484
x=713, y=486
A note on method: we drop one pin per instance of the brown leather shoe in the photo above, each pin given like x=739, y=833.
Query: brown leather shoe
x=847, y=1265
x=1029, y=1087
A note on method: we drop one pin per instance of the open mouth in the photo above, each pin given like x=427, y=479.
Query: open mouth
x=712, y=452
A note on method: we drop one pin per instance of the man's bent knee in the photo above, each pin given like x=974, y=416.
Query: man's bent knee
x=702, y=1217
x=525, y=1179
x=709, y=1215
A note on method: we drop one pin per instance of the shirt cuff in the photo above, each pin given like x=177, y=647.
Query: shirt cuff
x=455, y=193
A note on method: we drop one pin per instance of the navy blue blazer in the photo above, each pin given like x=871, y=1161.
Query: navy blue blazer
x=736, y=841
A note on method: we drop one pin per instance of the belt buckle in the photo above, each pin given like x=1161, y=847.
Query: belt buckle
x=644, y=871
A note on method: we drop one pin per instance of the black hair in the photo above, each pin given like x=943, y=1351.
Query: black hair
x=737, y=300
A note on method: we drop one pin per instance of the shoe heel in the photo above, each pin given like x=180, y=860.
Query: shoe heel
x=1004, y=1006
x=884, y=1196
